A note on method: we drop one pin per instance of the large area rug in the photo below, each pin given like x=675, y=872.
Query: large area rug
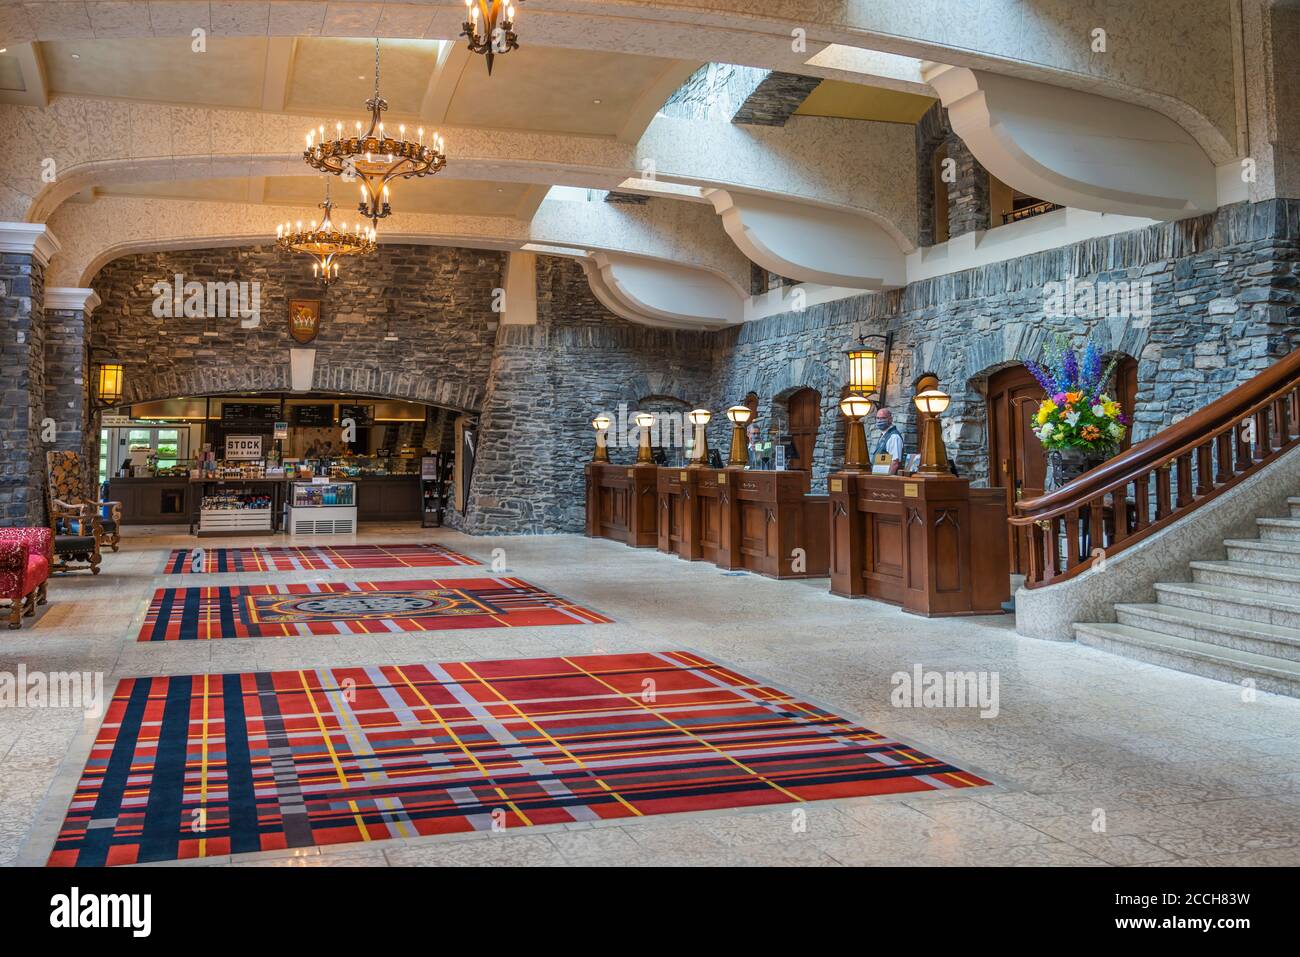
x=314, y=558
x=205, y=765
x=354, y=608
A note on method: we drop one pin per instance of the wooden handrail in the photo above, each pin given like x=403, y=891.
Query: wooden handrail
x=1163, y=478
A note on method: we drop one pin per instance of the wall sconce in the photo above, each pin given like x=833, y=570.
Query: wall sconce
x=865, y=367
x=855, y=408
x=644, y=420
x=740, y=416
x=700, y=450
x=108, y=386
x=601, y=424
x=931, y=403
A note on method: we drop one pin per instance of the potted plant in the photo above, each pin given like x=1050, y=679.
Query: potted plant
x=1079, y=425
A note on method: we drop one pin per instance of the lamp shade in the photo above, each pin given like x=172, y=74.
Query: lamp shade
x=932, y=401
x=109, y=385
x=856, y=407
x=601, y=422
x=644, y=419
x=699, y=416
x=740, y=414
x=864, y=375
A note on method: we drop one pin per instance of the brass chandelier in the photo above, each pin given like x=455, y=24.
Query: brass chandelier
x=496, y=33
x=326, y=243
x=375, y=157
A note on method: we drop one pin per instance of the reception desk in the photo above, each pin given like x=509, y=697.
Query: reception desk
x=621, y=503
x=933, y=545
x=763, y=522
x=152, y=501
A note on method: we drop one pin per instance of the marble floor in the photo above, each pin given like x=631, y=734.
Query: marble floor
x=1097, y=759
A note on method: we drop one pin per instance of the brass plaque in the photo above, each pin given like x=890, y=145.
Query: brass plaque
x=631, y=473
x=722, y=478
x=681, y=476
x=911, y=489
x=837, y=485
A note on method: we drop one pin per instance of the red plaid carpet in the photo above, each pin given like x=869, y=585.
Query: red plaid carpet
x=354, y=608
x=207, y=765
x=315, y=558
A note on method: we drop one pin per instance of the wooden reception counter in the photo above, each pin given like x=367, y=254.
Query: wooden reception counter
x=933, y=545
x=763, y=522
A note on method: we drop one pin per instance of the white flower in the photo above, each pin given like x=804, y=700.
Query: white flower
x=1116, y=429
x=1099, y=411
x=1046, y=431
x=1072, y=418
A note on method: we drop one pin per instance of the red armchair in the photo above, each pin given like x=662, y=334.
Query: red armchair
x=26, y=555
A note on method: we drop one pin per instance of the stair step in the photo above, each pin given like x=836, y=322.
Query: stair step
x=1195, y=657
x=1280, y=553
x=1293, y=503
x=1262, y=639
x=1244, y=606
x=1279, y=529
x=1249, y=576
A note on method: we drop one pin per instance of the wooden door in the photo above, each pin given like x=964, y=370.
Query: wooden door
x=1016, y=459
x=1125, y=392
x=805, y=417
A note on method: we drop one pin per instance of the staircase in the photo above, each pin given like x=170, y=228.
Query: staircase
x=1235, y=620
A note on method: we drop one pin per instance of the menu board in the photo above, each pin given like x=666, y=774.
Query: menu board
x=249, y=414
x=313, y=416
x=361, y=415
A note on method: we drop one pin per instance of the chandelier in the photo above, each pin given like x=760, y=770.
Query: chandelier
x=326, y=243
x=498, y=31
x=375, y=157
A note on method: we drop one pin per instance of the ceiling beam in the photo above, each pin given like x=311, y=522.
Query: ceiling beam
x=276, y=81
x=452, y=59
x=36, y=90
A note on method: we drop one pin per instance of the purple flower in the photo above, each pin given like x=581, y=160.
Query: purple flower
x=1059, y=398
x=1044, y=377
x=1069, y=368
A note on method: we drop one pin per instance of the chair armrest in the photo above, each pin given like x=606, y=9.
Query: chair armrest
x=114, y=509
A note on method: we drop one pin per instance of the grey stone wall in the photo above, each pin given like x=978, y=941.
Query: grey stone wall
x=437, y=300
x=67, y=386
x=548, y=381
x=1224, y=303
x=714, y=92
x=22, y=385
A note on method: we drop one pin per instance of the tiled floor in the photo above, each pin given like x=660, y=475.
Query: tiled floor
x=1099, y=760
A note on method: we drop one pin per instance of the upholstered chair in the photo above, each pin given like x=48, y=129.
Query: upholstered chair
x=75, y=518
x=26, y=555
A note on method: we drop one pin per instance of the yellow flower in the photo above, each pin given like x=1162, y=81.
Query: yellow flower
x=1111, y=409
x=1045, y=410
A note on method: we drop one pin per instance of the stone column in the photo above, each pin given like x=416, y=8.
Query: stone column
x=25, y=251
x=968, y=196
x=69, y=378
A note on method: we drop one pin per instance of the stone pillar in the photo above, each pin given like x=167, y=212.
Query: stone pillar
x=69, y=378
x=25, y=251
x=968, y=196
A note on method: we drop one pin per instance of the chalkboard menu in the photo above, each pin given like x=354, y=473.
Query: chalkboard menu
x=361, y=415
x=313, y=416
x=249, y=414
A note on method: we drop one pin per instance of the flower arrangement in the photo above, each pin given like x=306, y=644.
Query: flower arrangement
x=1077, y=414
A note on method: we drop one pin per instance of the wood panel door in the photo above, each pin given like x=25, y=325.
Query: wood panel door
x=1016, y=459
x=805, y=408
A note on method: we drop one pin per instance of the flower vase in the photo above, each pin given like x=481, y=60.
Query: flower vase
x=1066, y=465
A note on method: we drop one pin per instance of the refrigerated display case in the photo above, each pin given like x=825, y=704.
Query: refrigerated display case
x=323, y=508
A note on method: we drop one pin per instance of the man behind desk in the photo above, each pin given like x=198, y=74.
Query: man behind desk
x=891, y=440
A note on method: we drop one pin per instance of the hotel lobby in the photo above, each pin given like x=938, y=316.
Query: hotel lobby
x=649, y=434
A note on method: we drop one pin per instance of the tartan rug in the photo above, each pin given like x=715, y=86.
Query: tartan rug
x=280, y=558
x=354, y=608
x=206, y=765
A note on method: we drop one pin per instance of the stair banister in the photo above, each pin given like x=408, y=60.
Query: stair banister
x=1163, y=478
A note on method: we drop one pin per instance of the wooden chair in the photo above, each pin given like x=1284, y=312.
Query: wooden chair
x=75, y=520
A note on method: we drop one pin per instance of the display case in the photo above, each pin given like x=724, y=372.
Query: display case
x=323, y=508
x=227, y=511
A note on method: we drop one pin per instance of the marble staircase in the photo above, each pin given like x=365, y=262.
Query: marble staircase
x=1237, y=619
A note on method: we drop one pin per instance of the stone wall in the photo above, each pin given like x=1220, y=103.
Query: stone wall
x=547, y=383
x=1224, y=303
x=437, y=300
x=22, y=378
